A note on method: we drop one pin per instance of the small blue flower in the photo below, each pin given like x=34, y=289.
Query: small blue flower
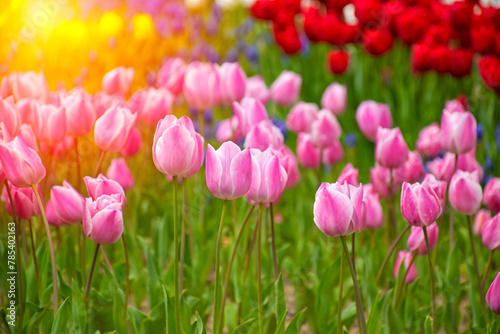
x=351, y=139
x=488, y=164
x=252, y=54
x=480, y=131
x=280, y=124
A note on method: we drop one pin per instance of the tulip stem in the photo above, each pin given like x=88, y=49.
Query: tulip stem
x=91, y=272
x=230, y=265
x=391, y=250
x=127, y=277
x=273, y=243
x=250, y=249
x=353, y=249
x=176, y=260
x=341, y=286
x=99, y=163
x=431, y=272
x=392, y=207
x=82, y=238
x=217, y=267
x=77, y=158
x=357, y=294
x=320, y=170
x=259, y=278
x=51, y=249
x=183, y=235
x=488, y=265
x=33, y=250
x=407, y=270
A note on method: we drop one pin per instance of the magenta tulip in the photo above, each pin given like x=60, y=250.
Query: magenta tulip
x=157, y=104
x=325, y=129
x=454, y=106
x=263, y=135
x=492, y=194
x=25, y=202
x=420, y=206
x=249, y=113
x=28, y=135
x=429, y=141
x=289, y=162
x=67, y=203
x=465, y=193
x=25, y=85
x=232, y=83
x=133, y=144
x=201, y=85
x=50, y=124
x=26, y=109
x=112, y=129
x=52, y=218
x=412, y=170
x=467, y=162
x=439, y=187
x=412, y=272
x=333, y=154
x=103, y=186
x=80, y=113
x=480, y=219
x=416, y=239
x=103, y=219
x=307, y=154
x=374, y=211
x=380, y=178
x=391, y=150
x=256, y=88
x=118, y=81
x=371, y=115
x=443, y=168
x=335, y=98
x=9, y=115
x=490, y=233
x=493, y=295
x=301, y=117
x=286, y=88
x=349, y=175
x=171, y=75
x=118, y=171
x=458, y=131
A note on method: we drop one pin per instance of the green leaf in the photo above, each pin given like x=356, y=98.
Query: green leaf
x=281, y=323
x=428, y=325
x=245, y=327
x=62, y=317
x=79, y=312
x=280, y=304
x=375, y=320
x=200, y=328
x=118, y=309
x=296, y=323
x=169, y=312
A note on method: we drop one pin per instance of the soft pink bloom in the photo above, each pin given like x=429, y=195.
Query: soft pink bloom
x=480, y=219
x=454, y=106
x=325, y=129
x=465, y=193
x=248, y=112
x=232, y=83
x=118, y=81
x=339, y=209
x=307, y=154
x=103, y=219
x=412, y=272
x=289, y=162
x=4, y=133
x=26, y=109
x=102, y=102
x=25, y=202
x=50, y=124
x=52, y=218
x=286, y=88
x=439, y=187
x=416, y=239
x=171, y=75
x=412, y=170
x=112, y=129
x=104, y=186
x=333, y=154
x=490, y=233
x=80, y=113
x=374, y=211
x=157, y=104
x=492, y=194
x=256, y=88
x=9, y=115
x=201, y=85
x=133, y=144
x=349, y=175
x=25, y=85
x=429, y=140
x=458, y=131
x=467, y=162
x=228, y=130
x=67, y=203
x=301, y=117
x=21, y=164
x=335, y=98
x=380, y=178
x=118, y=171
x=177, y=148
x=228, y=171
x=493, y=295
x=420, y=206
x=391, y=150
x=371, y=115
x=443, y=168
x=263, y=135
x=269, y=178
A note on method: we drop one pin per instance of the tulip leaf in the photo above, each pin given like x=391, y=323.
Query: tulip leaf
x=428, y=325
x=280, y=305
x=118, y=310
x=245, y=327
x=296, y=323
x=62, y=317
x=79, y=312
x=169, y=312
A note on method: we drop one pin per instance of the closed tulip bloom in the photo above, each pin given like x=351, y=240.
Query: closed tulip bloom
x=420, y=206
x=248, y=113
x=157, y=104
x=465, y=193
x=177, y=148
x=339, y=209
x=228, y=130
x=133, y=144
x=443, y=168
x=458, y=131
x=374, y=211
x=228, y=171
x=30, y=84
x=25, y=202
x=493, y=295
x=52, y=218
x=67, y=203
x=232, y=83
x=307, y=154
x=80, y=113
x=103, y=186
x=289, y=162
x=118, y=171
x=406, y=257
x=371, y=115
x=429, y=141
x=9, y=115
x=492, y=194
x=439, y=187
x=286, y=88
x=391, y=150
x=263, y=135
x=454, y=106
x=301, y=117
x=380, y=178
x=26, y=109
x=112, y=129
x=467, y=162
x=201, y=85
x=21, y=164
x=256, y=88
x=490, y=233
x=335, y=98
x=333, y=154
x=269, y=178
x=28, y=135
x=103, y=219
x=349, y=175
x=325, y=129
x=412, y=170
x=416, y=239
x=171, y=75
x=479, y=221
x=50, y=124
x=118, y=81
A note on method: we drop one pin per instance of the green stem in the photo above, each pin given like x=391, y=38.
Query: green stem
x=183, y=237
x=127, y=277
x=259, y=278
x=250, y=249
x=341, y=285
x=391, y=250
x=431, y=272
x=217, y=267
x=488, y=265
x=33, y=250
x=407, y=270
x=82, y=238
x=91, y=272
x=176, y=260
x=353, y=250
x=273, y=244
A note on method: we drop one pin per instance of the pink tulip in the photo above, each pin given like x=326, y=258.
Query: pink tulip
x=325, y=129
x=9, y=115
x=286, y=88
x=465, y=192
x=339, y=209
x=22, y=165
x=52, y=218
x=60, y=148
x=443, y=168
x=4, y=133
x=493, y=295
x=133, y=144
x=412, y=272
x=27, y=134
x=50, y=124
x=228, y=171
x=157, y=104
x=177, y=148
x=380, y=178
x=490, y=233
x=80, y=113
x=467, y=162
x=412, y=170
x=458, y=131
x=171, y=75
x=269, y=178
x=263, y=135
x=118, y=81
x=416, y=239
x=439, y=187
x=103, y=219
x=25, y=85
x=420, y=206
x=232, y=83
x=25, y=202
x=301, y=117
x=289, y=162
x=492, y=194
x=201, y=85
x=112, y=129
x=257, y=89
x=118, y=171
x=332, y=155
x=454, y=106
x=248, y=113
x=103, y=186
x=371, y=115
x=391, y=150
x=374, y=211
x=26, y=109
x=335, y=98
x=429, y=141
x=103, y=102
x=67, y=203
x=349, y=175
x=480, y=219
x=307, y=154
x=228, y=130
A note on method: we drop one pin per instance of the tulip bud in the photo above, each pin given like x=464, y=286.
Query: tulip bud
x=228, y=130
x=52, y=218
x=335, y=98
x=301, y=117
x=232, y=83
x=493, y=295
x=157, y=104
x=492, y=194
x=248, y=113
x=133, y=144
x=429, y=141
x=490, y=233
x=412, y=170
x=25, y=202
x=104, y=186
x=465, y=192
x=50, y=124
x=416, y=239
x=380, y=178
x=391, y=150
x=202, y=85
x=371, y=115
x=171, y=75
x=27, y=134
x=118, y=81
x=420, y=206
x=374, y=211
x=257, y=89
x=333, y=154
x=67, y=203
x=439, y=187
x=325, y=129
x=458, y=131
x=263, y=135
x=286, y=88
x=80, y=114
x=443, y=168
x=306, y=152
x=103, y=219
x=407, y=258
x=112, y=129
x=349, y=175
x=118, y=171
x=289, y=162
x=479, y=220
x=9, y=115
